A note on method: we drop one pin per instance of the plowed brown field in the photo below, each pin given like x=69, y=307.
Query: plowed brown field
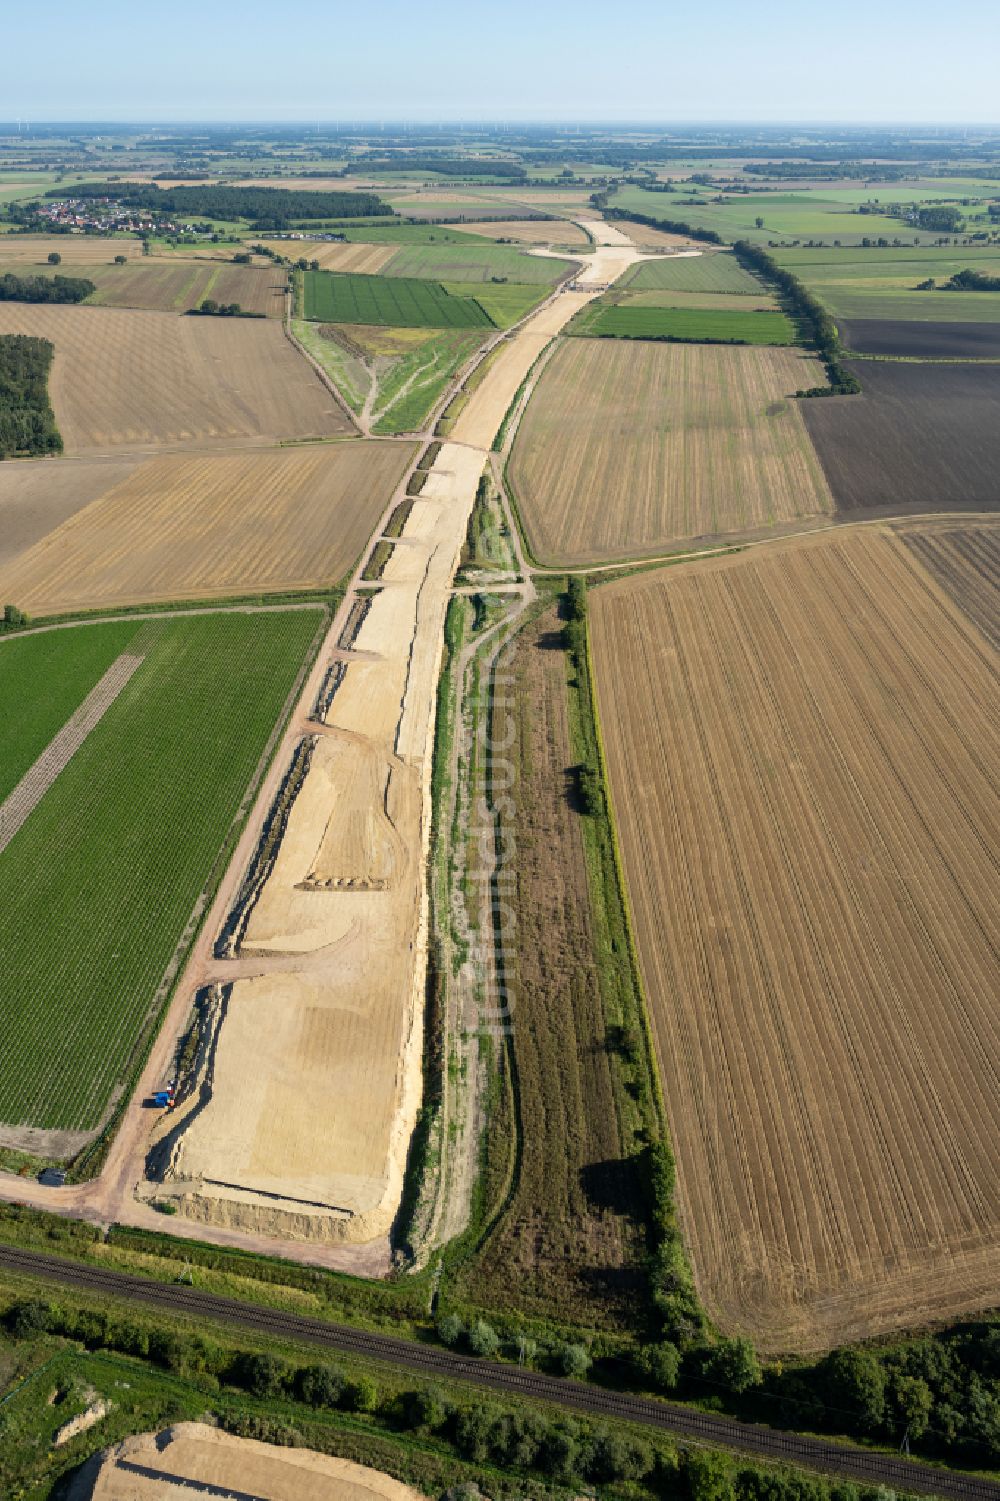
x=802, y=750
x=201, y=526
x=965, y=560
x=127, y=379
x=626, y=448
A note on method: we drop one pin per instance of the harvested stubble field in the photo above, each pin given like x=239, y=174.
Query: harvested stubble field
x=76, y=250
x=173, y=285
x=922, y=340
x=37, y=496
x=569, y=1244
x=365, y=260
x=530, y=231
x=921, y=437
x=801, y=756
x=625, y=449
x=130, y=379
x=204, y=526
x=714, y=271
x=120, y=846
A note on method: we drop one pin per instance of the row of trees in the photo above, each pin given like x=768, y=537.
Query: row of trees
x=27, y=422
x=557, y=1448
x=817, y=325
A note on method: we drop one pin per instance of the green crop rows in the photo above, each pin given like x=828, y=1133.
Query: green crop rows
x=697, y=325
x=395, y=302
x=97, y=886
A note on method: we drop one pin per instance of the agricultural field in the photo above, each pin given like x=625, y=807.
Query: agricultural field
x=531, y=231
x=920, y=437
x=124, y=840
x=934, y=341
x=393, y=301
x=800, y=759
x=817, y=214
x=124, y=379
x=75, y=250
x=717, y=271
x=361, y=258
x=476, y=263
x=36, y=498
x=570, y=1243
x=506, y=303
x=625, y=320
x=734, y=302
x=965, y=561
x=883, y=283
x=176, y=285
x=626, y=449
x=205, y=526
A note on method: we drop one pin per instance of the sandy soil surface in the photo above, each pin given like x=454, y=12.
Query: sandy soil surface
x=192, y=1459
x=314, y=1145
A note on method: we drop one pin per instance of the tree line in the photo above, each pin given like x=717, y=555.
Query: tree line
x=542, y=1447
x=816, y=323
x=27, y=422
x=270, y=208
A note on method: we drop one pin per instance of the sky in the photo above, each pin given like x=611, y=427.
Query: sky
x=865, y=61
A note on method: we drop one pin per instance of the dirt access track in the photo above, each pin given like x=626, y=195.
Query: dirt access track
x=292, y=1137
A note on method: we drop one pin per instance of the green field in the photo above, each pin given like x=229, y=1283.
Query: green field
x=476, y=263
x=98, y=884
x=809, y=214
x=718, y=271
x=339, y=297
x=505, y=302
x=871, y=283
x=608, y=320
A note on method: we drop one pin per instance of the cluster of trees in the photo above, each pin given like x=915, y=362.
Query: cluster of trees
x=817, y=325
x=972, y=281
x=270, y=208
x=944, y=218
x=12, y=619
x=27, y=422
x=209, y=308
x=44, y=288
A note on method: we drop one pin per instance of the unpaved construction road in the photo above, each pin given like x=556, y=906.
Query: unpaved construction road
x=295, y=1141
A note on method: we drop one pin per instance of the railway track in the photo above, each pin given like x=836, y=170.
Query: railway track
x=861, y=1465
